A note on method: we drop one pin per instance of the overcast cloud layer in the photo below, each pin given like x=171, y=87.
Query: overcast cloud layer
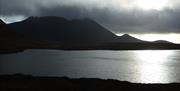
x=116, y=15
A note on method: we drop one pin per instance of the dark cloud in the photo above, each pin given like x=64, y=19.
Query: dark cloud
x=121, y=19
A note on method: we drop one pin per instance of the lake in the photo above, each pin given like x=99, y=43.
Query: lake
x=141, y=66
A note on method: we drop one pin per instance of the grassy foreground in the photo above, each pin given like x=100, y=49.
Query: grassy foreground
x=19, y=82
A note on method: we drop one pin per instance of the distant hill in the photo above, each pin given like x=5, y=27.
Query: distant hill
x=161, y=41
x=126, y=38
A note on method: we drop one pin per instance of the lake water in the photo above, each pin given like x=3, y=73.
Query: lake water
x=143, y=66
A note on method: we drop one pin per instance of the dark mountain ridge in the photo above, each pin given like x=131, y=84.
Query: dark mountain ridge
x=61, y=29
x=77, y=34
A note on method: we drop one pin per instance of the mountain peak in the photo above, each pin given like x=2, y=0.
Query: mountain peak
x=45, y=19
x=64, y=30
x=128, y=38
x=126, y=35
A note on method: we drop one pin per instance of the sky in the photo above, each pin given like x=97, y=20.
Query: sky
x=119, y=16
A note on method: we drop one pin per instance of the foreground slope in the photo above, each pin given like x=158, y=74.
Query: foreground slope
x=20, y=82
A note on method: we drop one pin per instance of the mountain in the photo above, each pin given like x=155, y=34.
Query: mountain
x=126, y=38
x=77, y=34
x=63, y=30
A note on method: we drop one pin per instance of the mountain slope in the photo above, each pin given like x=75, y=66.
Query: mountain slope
x=7, y=32
x=2, y=24
x=4, y=30
x=78, y=34
x=63, y=30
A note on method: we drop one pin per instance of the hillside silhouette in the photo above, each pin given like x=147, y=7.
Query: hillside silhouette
x=63, y=30
x=51, y=32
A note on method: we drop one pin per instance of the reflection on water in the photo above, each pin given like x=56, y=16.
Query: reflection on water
x=152, y=73
x=151, y=68
x=154, y=56
x=144, y=66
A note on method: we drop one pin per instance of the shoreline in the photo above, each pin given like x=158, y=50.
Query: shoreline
x=3, y=52
x=44, y=83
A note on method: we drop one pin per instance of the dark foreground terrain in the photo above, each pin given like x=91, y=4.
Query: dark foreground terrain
x=19, y=82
